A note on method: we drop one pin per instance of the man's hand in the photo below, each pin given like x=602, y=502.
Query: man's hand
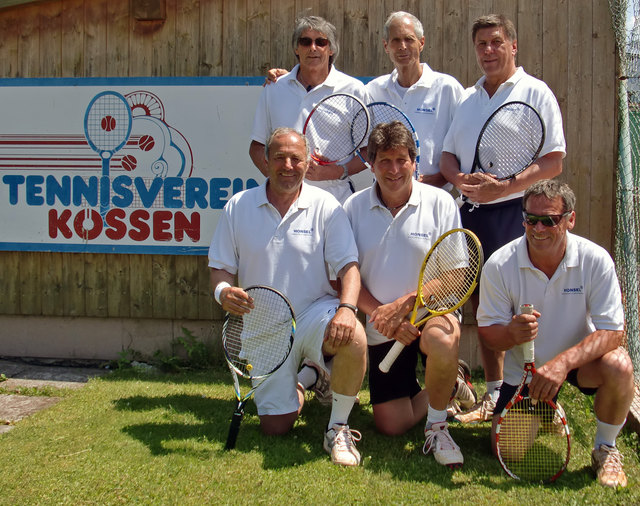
x=386, y=318
x=406, y=333
x=547, y=380
x=341, y=329
x=523, y=327
x=236, y=301
x=482, y=188
x=317, y=172
x=273, y=75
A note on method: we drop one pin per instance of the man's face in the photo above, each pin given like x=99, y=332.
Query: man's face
x=403, y=47
x=314, y=55
x=547, y=242
x=393, y=170
x=287, y=164
x=495, y=53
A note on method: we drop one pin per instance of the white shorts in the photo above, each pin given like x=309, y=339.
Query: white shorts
x=278, y=395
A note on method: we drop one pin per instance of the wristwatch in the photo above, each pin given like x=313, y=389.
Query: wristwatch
x=349, y=306
x=345, y=174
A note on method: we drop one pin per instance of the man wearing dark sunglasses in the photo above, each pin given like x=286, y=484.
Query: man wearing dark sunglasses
x=577, y=323
x=288, y=102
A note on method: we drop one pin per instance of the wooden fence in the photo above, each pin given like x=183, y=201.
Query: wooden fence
x=567, y=43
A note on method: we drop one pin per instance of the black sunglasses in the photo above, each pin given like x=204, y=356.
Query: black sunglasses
x=548, y=220
x=307, y=41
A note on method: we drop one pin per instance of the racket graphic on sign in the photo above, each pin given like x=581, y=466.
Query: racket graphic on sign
x=107, y=127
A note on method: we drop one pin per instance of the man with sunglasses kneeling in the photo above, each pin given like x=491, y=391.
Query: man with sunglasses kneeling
x=578, y=322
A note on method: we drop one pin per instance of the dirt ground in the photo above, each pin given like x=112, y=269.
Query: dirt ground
x=37, y=374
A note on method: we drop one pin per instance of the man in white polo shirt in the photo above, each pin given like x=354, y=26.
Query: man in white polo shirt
x=288, y=102
x=395, y=223
x=283, y=234
x=428, y=98
x=578, y=322
x=497, y=220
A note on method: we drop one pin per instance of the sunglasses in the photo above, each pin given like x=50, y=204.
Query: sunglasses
x=548, y=220
x=307, y=41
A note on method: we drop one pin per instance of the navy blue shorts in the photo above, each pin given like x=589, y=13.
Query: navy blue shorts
x=507, y=391
x=401, y=379
x=494, y=224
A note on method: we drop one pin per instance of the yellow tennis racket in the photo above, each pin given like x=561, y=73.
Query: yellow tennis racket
x=448, y=276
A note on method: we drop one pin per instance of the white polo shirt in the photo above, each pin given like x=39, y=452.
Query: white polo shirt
x=429, y=104
x=477, y=106
x=391, y=249
x=582, y=296
x=253, y=241
x=286, y=103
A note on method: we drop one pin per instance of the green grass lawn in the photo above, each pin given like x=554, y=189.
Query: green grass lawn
x=151, y=438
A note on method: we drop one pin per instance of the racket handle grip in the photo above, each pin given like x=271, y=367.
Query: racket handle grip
x=234, y=428
x=528, y=348
x=391, y=356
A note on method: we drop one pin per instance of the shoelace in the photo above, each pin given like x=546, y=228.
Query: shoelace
x=345, y=438
x=612, y=461
x=441, y=435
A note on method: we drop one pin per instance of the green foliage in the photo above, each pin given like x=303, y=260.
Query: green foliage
x=3, y=378
x=187, y=352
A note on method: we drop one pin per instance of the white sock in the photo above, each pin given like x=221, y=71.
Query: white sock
x=607, y=433
x=341, y=409
x=435, y=416
x=493, y=388
x=307, y=377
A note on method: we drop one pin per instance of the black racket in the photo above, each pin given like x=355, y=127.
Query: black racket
x=256, y=345
x=510, y=141
x=533, y=441
x=330, y=128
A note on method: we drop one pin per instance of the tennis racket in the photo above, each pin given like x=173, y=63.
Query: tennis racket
x=510, y=141
x=331, y=131
x=107, y=127
x=448, y=276
x=532, y=438
x=256, y=345
x=383, y=112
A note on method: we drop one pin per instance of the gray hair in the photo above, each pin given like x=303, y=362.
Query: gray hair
x=551, y=188
x=417, y=25
x=494, y=20
x=319, y=25
x=279, y=132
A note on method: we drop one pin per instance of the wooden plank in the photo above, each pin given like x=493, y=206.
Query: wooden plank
x=456, y=52
x=73, y=299
x=258, y=31
x=377, y=61
x=9, y=43
x=187, y=37
x=52, y=282
x=431, y=14
x=118, y=286
x=210, y=41
x=10, y=282
x=208, y=309
x=477, y=8
x=164, y=283
x=579, y=128
x=117, y=38
x=530, y=37
x=163, y=61
x=507, y=7
x=28, y=43
x=95, y=284
x=601, y=209
x=95, y=38
x=186, y=268
x=141, y=47
x=356, y=25
x=141, y=286
x=30, y=288
x=281, y=25
x=50, y=18
x=234, y=37
x=72, y=37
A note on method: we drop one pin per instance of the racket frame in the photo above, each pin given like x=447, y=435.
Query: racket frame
x=256, y=381
x=356, y=141
x=419, y=305
x=528, y=349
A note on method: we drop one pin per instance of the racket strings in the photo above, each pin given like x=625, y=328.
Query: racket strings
x=336, y=127
x=108, y=122
x=532, y=441
x=258, y=342
x=510, y=141
x=450, y=272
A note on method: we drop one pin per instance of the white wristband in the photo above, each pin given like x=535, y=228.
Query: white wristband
x=219, y=287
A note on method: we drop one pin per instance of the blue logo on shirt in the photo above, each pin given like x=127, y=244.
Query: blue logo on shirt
x=578, y=290
x=303, y=231
x=419, y=235
x=426, y=110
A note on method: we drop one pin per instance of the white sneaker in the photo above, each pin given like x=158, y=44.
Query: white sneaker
x=322, y=386
x=482, y=411
x=445, y=450
x=339, y=441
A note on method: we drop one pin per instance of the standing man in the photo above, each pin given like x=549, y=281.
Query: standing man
x=578, y=322
x=498, y=218
x=288, y=102
x=395, y=222
x=283, y=234
x=428, y=98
